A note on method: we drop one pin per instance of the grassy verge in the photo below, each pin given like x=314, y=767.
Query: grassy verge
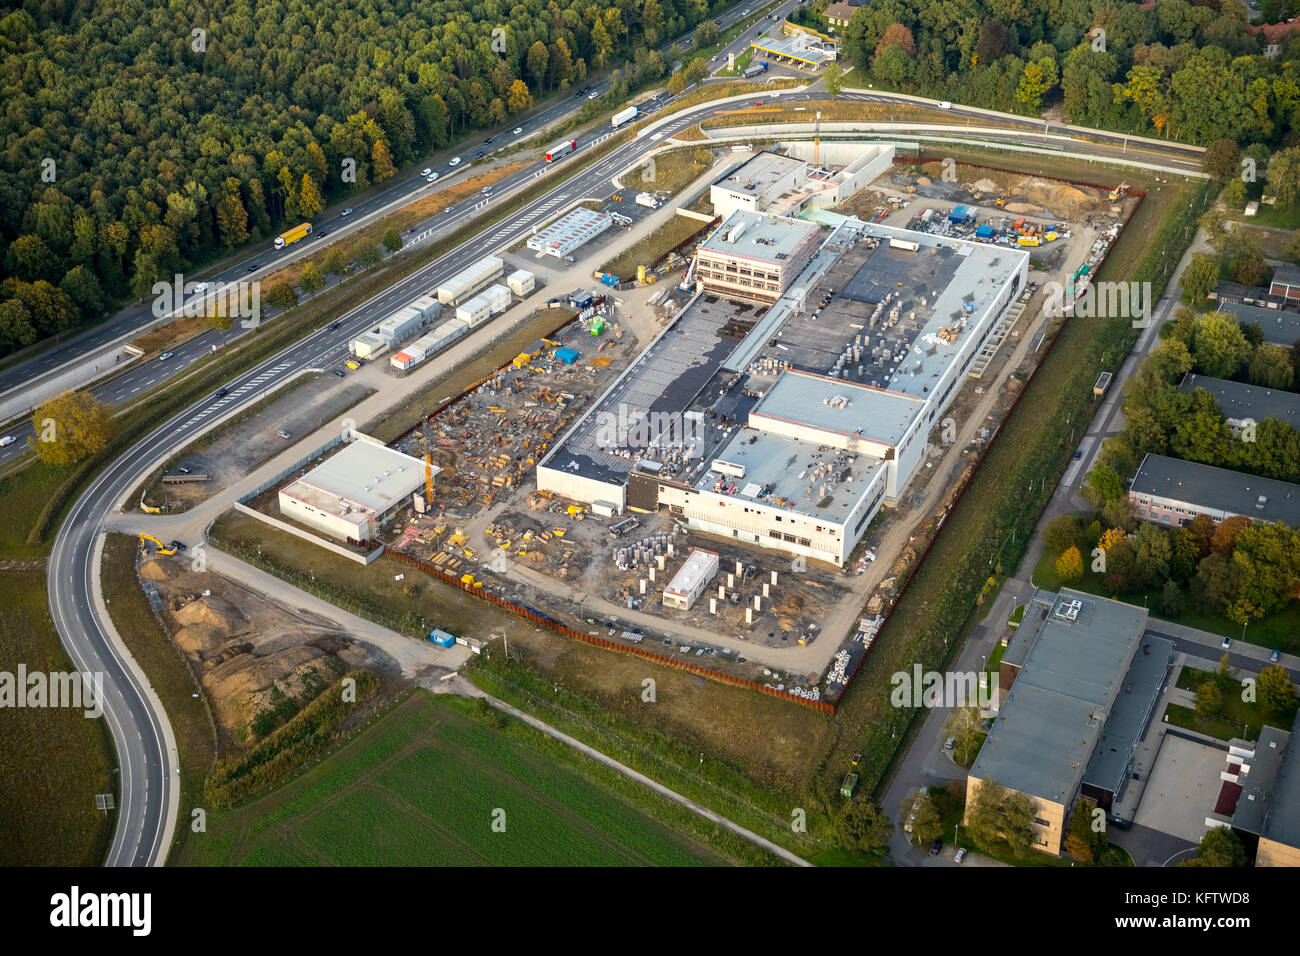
x=55, y=760
x=652, y=248
x=169, y=674
x=1235, y=712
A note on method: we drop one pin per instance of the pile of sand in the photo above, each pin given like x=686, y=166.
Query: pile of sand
x=200, y=640
x=213, y=610
x=158, y=569
x=986, y=186
x=1024, y=208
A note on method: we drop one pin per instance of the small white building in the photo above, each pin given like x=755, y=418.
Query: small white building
x=492, y=301
x=521, y=282
x=352, y=493
x=368, y=345
x=696, y=573
x=465, y=283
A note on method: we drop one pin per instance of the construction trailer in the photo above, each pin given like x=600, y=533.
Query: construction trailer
x=491, y=302
x=521, y=282
x=466, y=283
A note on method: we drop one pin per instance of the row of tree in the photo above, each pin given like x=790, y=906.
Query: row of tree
x=188, y=133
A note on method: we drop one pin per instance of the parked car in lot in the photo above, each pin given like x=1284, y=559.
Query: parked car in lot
x=950, y=743
x=959, y=855
x=340, y=373
x=1227, y=642
x=935, y=847
x=1273, y=658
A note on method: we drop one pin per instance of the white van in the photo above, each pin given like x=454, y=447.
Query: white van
x=945, y=105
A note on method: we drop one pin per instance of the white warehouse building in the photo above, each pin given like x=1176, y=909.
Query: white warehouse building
x=468, y=282
x=352, y=493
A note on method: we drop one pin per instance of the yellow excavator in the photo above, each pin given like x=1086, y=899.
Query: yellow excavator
x=167, y=550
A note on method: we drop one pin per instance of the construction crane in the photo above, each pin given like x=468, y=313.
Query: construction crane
x=817, y=141
x=164, y=549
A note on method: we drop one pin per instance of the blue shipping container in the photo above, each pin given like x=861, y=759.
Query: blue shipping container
x=984, y=231
x=442, y=638
x=567, y=356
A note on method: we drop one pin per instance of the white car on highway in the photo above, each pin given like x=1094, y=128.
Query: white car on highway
x=455, y=161
x=594, y=94
x=165, y=356
x=7, y=440
x=426, y=171
x=517, y=131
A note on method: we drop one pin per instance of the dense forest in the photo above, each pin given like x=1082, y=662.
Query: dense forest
x=1190, y=70
x=142, y=138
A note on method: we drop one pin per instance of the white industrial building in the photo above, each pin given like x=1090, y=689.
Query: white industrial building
x=352, y=493
x=521, y=282
x=467, y=282
x=784, y=184
x=569, y=232
x=696, y=573
x=756, y=183
x=492, y=301
x=849, y=392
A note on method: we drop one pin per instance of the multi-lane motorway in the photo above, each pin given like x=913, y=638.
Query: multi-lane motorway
x=146, y=775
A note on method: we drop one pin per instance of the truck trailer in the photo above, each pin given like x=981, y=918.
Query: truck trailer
x=561, y=149
x=623, y=116
x=293, y=235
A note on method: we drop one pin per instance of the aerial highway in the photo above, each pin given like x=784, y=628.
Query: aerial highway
x=146, y=774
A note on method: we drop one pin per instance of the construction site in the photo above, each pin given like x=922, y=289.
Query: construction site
x=821, y=439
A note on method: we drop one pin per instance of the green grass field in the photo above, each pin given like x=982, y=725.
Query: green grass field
x=421, y=788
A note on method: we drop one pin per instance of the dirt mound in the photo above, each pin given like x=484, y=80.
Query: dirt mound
x=986, y=186
x=213, y=610
x=247, y=674
x=1023, y=208
x=159, y=569
x=200, y=640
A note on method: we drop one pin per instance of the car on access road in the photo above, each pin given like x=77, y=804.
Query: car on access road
x=7, y=441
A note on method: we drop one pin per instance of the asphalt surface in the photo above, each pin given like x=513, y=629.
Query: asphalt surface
x=145, y=776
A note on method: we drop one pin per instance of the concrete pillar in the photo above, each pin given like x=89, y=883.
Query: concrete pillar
x=652, y=573
x=773, y=579
x=740, y=569
x=749, y=615
x=670, y=549
x=758, y=603
x=766, y=593
x=713, y=605
x=643, y=585
x=660, y=558
x=731, y=580
x=722, y=593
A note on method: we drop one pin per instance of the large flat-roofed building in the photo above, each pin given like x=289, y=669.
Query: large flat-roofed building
x=1242, y=403
x=756, y=183
x=787, y=427
x=352, y=493
x=1267, y=812
x=755, y=258
x=570, y=231
x=1280, y=326
x=1081, y=702
x=1172, y=492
